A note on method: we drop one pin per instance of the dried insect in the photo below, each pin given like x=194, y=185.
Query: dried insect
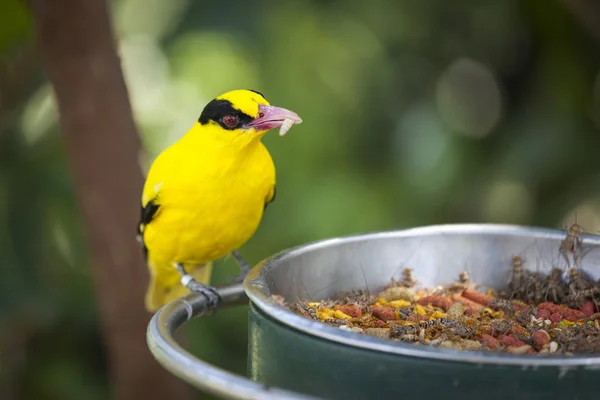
x=336, y=321
x=579, y=280
x=576, y=298
x=581, y=344
x=463, y=331
x=407, y=280
x=501, y=326
x=517, y=281
x=463, y=283
x=406, y=312
x=358, y=298
x=307, y=310
x=533, y=288
x=571, y=244
x=565, y=337
x=437, y=321
x=400, y=330
x=554, y=287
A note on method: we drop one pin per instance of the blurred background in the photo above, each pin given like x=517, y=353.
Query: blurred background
x=414, y=113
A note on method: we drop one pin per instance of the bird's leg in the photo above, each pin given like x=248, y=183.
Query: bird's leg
x=244, y=267
x=207, y=291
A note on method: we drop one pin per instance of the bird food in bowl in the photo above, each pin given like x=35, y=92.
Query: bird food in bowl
x=534, y=315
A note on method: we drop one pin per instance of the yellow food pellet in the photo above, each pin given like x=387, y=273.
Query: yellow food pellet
x=419, y=310
x=567, y=322
x=399, y=303
x=325, y=313
x=314, y=304
x=340, y=315
x=437, y=314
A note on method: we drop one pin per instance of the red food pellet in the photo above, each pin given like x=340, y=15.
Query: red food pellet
x=480, y=298
x=489, y=341
x=352, y=311
x=437, y=301
x=379, y=324
x=540, y=338
x=383, y=313
x=416, y=318
x=544, y=313
x=467, y=302
x=587, y=308
x=556, y=317
x=553, y=308
x=572, y=315
x=512, y=341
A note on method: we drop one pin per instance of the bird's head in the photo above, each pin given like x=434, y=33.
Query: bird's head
x=246, y=111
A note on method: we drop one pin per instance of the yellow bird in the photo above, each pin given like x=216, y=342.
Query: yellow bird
x=204, y=196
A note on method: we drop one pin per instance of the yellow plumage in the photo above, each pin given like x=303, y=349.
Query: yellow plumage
x=206, y=194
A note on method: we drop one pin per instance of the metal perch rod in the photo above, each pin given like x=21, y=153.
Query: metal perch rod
x=199, y=374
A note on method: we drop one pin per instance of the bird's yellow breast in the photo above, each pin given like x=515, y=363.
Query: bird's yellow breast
x=211, y=193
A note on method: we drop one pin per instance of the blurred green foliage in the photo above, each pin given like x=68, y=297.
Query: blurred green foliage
x=414, y=113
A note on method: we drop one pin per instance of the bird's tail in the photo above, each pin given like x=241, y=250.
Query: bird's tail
x=162, y=290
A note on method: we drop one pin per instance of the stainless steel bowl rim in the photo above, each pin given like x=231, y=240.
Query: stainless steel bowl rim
x=254, y=285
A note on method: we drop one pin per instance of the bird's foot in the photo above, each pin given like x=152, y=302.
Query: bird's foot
x=244, y=267
x=209, y=292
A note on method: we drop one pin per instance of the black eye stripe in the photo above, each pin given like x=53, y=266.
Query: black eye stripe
x=217, y=109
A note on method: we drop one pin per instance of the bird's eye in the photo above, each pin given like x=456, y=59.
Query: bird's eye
x=230, y=120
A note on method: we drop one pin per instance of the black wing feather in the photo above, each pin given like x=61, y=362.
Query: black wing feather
x=147, y=213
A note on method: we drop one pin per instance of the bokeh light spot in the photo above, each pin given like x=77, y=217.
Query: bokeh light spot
x=468, y=98
x=507, y=201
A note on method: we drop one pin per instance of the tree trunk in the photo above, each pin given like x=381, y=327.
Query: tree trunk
x=76, y=41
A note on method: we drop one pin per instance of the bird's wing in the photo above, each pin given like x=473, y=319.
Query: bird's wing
x=150, y=200
x=148, y=212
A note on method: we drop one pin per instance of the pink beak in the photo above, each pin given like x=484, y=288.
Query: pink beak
x=270, y=117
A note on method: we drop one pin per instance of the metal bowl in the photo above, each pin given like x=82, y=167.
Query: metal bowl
x=305, y=356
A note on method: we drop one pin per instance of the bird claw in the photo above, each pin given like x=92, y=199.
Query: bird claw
x=209, y=292
x=244, y=267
